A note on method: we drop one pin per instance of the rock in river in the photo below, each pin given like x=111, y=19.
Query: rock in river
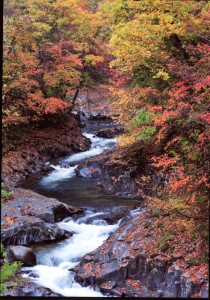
x=30, y=218
x=23, y=254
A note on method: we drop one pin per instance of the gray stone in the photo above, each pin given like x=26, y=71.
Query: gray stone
x=23, y=254
x=33, y=219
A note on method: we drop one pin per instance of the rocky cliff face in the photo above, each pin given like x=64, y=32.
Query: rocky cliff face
x=121, y=175
x=128, y=264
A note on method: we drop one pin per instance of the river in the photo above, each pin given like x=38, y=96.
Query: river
x=89, y=230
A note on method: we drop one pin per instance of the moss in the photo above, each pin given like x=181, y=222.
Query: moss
x=164, y=247
x=5, y=194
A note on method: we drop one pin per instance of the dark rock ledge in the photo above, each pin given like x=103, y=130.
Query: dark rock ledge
x=30, y=218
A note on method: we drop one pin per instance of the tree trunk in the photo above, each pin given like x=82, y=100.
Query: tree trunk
x=75, y=97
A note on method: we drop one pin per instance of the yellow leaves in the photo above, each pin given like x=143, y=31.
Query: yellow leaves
x=126, y=140
x=93, y=60
x=162, y=75
x=178, y=204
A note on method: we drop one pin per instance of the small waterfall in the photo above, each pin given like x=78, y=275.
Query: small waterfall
x=53, y=266
x=64, y=171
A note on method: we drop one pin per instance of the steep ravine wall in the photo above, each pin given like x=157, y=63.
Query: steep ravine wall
x=117, y=176
x=127, y=265
x=131, y=262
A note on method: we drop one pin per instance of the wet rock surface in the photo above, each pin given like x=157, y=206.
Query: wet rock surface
x=24, y=288
x=110, y=132
x=21, y=253
x=123, y=266
x=116, y=175
x=30, y=218
x=95, y=115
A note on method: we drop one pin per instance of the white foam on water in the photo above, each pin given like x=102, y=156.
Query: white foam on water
x=137, y=211
x=53, y=266
x=61, y=281
x=53, y=269
x=97, y=147
x=59, y=174
x=82, y=155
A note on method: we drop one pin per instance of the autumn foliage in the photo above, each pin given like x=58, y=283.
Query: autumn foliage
x=51, y=49
x=160, y=84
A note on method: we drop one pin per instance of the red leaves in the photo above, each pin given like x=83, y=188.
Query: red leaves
x=44, y=106
x=205, y=117
x=52, y=105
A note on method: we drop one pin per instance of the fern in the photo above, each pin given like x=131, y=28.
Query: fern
x=8, y=270
x=4, y=193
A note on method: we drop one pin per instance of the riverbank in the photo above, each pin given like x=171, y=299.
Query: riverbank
x=34, y=149
x=150, y=243
x=159, y=253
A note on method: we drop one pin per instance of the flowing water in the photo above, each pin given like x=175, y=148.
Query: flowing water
x=54, y=262
x=89, y=231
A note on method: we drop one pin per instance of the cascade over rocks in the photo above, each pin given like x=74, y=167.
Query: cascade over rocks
x=30, y=154
x=126, y=266
x=30, y=219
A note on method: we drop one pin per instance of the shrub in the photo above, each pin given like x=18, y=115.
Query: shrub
x=7, y=270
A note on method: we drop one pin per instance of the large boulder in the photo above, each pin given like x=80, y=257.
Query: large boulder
x=31, y=232
x=110, y=132
x=30, y=218
x=96, y=115
x=23, y=254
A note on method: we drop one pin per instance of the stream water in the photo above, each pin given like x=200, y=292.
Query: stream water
x=89, y=230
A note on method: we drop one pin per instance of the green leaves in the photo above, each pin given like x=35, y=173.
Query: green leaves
x=8, y=270
x=146, y=133
x=143, y=117
x=143, y=121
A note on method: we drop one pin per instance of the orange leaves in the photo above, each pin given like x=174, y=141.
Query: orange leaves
x=44, y=106
x=205, y=117
x=52, y=105
x=45, y=49
x=181, y=92
x=164, y=161
x=155, y=108
x=173, y=141
x=10, y=220
x=180, y=182
x=160, y=120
